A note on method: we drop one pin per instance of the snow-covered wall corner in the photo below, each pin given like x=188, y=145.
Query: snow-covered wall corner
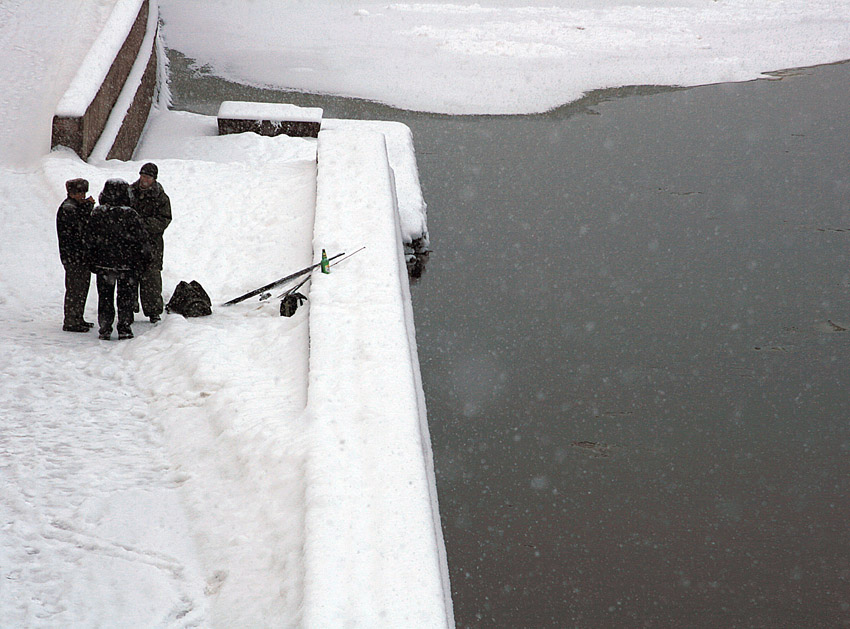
x=412, y=209
x=85, y=108
x=374, y=553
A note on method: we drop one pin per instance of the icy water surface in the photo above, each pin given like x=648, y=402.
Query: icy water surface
x=634, y=334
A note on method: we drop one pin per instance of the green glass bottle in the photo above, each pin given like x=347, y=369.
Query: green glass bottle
x=325, y=265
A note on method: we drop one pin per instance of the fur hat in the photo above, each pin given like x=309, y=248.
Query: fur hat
x=149, y=169
x=76, y=185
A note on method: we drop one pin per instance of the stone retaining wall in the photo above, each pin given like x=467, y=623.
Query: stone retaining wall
x=270, y=128
x=137, y=116
x=81, y=133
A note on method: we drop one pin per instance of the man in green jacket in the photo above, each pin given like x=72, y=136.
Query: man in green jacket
x=154, y=208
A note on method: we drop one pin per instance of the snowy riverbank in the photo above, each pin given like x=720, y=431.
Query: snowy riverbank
x=165, y=480
x=245, y=431
x=192, y=476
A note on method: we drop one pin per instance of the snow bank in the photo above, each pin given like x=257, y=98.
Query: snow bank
x=230, y=389
x=502, y=56
x=402, y=155
x=373, y=545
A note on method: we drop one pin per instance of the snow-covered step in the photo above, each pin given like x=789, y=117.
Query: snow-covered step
x=269, y=119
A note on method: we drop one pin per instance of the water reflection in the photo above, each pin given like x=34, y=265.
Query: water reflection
x=633, y=337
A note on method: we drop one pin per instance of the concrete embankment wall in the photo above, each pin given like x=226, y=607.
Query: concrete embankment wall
x=122, y=59
x=372, y=519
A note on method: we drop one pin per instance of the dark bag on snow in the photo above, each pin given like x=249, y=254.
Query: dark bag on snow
x=190, y=300
x=289, y=304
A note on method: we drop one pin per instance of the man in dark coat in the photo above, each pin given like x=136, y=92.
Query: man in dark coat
x=154, y=208
x=119, y=254
x=72, y=227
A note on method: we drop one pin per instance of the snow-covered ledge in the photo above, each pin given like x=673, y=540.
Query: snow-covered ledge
x=269, y=119
x=412, y=209
x=374, y=553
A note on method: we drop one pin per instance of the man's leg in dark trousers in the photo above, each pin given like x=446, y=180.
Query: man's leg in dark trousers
x=128, y=287
x=106, y=302
x=150, y=290
x=77, y=282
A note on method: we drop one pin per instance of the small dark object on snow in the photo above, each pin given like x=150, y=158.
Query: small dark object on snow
x=190, y=300
x=289, y=304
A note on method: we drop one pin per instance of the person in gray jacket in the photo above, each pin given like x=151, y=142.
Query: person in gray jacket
x=154, y=208
x=72, y=228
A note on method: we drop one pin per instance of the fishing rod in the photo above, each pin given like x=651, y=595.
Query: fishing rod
x=304, y=281
x=291, y=299
x=348, y=256
x=282, y=280
x=288, y=292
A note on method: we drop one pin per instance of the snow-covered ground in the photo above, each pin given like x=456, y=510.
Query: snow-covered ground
x=42, y=44
x=163, y=481
x=106, y=444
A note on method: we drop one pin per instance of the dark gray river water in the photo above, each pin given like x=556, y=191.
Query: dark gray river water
x=634, y=334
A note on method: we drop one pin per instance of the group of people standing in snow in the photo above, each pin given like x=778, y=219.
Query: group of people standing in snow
x=120, y=240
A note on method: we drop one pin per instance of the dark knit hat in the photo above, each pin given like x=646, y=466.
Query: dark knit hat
x=76, y=185
x=149, y=169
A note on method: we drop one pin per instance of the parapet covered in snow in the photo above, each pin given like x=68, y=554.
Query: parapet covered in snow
x=399, y=142
x=373, y=551
x=94, y=68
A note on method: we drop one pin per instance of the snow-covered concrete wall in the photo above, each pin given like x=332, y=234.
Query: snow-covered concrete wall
x=374, y=553
x=85, y=109
x=412, y=209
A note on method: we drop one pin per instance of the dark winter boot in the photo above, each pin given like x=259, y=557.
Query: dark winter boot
x=76, y=327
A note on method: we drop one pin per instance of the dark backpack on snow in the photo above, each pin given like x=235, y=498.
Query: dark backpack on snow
x=289, y=304
x=190, y=300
